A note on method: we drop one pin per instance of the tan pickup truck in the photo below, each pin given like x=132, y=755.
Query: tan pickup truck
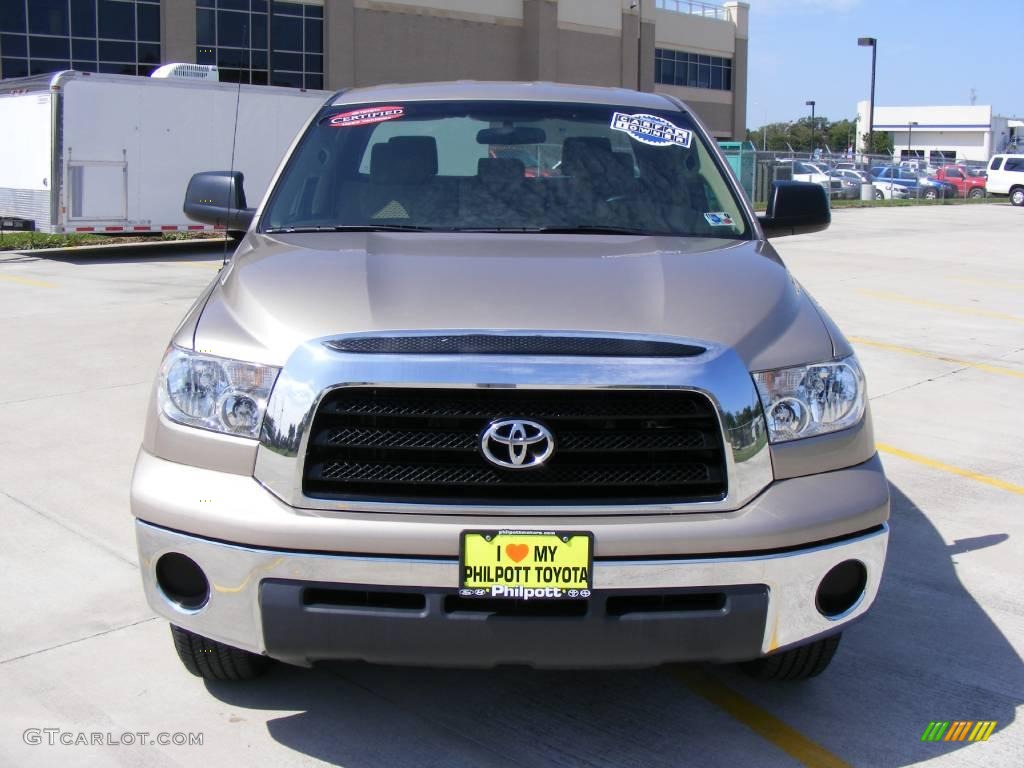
x=508, y=373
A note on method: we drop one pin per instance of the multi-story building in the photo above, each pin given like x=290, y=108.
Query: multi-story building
x=695, y=50
x=943, y=134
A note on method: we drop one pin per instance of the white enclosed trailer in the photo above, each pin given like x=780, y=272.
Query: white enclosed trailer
x=85, y=152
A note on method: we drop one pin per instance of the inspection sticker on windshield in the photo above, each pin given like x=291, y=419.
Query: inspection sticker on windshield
x=718, y=219
x=651, y=129
x=366, y=116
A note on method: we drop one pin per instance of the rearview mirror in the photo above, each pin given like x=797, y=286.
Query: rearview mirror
x=796, y=208
x=511, y=135
x=218, y=198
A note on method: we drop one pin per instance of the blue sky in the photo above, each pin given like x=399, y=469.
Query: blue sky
x=930, y=52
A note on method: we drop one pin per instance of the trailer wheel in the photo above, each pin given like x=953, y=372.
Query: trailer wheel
x=213, y=660
x=798, y=663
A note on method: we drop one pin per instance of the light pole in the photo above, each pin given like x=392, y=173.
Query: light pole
x=873, y=43
x=811, y=105
x=910, y=139
x=639, y=5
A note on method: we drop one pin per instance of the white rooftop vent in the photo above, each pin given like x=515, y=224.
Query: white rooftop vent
x=187, y=71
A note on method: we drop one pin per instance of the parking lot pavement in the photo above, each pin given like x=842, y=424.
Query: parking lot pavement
x=934, y=299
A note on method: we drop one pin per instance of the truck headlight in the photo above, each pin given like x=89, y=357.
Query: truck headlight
x=811, y=399
x=215, y=392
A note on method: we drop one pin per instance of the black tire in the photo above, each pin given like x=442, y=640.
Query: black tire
x=1017, y=196
x=213, y=660
x=879, y=195
x=976, y=192
x=799, y=663
x=931, y=193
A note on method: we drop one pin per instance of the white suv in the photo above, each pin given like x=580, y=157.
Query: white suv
x=1006, y=177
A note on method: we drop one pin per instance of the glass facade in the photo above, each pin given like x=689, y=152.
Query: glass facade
x=116, y=36
x=692, y=70
x=261, y=42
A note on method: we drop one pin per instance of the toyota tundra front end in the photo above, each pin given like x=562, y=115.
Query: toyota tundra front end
x=508, y=374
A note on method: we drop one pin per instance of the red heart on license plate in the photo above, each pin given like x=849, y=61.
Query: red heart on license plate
x=517, y=552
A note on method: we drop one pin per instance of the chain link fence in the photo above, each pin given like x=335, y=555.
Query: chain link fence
x=843, y=174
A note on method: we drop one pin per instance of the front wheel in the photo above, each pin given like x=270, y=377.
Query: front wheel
x=931, y=193
x=976, y=193
x=1017, y=196
x=798, y=663
x=213, y=660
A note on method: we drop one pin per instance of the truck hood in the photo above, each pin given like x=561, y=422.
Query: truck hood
x=282, y=290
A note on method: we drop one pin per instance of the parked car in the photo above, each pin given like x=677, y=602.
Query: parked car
x=397, y=428
x=818, y=173
x=861, y=177
x=850, y=180
x=930, y=187
x=910, y=180
x=922, y=167
x=853, y=179
x=1006, y=177
x=888, y=184
x=805, y=171
x=967, y=184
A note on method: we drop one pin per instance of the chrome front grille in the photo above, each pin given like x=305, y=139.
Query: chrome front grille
x=423, y=446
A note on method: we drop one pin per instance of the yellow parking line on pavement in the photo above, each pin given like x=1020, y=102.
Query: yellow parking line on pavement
x=764, y=724
x=995, y=482
x=28, y=281
x=944, y=307
x=938, y=356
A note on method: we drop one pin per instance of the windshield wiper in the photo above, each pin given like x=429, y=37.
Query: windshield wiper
x=351, y=228
x=582, y=229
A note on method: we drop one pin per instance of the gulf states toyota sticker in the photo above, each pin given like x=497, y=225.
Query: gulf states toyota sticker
x=651, y=129
x=366, y=116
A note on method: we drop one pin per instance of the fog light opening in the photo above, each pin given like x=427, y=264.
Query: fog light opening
x=182, y=581
x=841, y=589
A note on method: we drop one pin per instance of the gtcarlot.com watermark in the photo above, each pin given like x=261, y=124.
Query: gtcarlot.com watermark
x=59, y=737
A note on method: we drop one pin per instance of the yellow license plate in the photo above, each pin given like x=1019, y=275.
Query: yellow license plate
x=526, y=565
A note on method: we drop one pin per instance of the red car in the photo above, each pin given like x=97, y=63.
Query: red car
x=966, y=184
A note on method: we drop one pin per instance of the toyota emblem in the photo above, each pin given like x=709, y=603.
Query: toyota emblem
x=517, y=443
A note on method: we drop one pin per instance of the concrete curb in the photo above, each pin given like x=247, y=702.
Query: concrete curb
x=131, y=249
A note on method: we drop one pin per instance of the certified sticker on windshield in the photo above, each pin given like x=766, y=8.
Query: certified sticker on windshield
x=651, y=129
x=366, y=116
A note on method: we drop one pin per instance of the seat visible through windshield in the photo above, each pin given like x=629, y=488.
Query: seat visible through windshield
x=505, y=166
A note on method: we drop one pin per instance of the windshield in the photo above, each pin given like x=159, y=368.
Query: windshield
x=506, y=167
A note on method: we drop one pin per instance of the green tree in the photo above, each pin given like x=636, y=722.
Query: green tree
x=802, y=135
x=842, y=134
x=881, y=143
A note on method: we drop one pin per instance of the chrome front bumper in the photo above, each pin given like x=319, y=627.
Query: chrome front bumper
x=233, y=613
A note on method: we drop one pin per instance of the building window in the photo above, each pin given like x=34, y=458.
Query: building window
x=692, y=70
x=41, y=36
x=261, y=42
x=297, y=45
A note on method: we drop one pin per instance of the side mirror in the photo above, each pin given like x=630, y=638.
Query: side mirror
x=796, y=208
x=218, y=198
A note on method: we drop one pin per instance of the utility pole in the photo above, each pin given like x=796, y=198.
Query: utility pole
x=639, y=5
x=811, y=105
x=873, y=43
